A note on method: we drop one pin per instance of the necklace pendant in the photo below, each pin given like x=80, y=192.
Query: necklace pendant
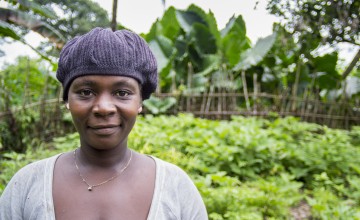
x=90, y=188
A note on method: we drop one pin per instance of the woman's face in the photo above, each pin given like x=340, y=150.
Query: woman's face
x=104, y=109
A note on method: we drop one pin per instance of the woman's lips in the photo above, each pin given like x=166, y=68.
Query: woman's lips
x=104, y=130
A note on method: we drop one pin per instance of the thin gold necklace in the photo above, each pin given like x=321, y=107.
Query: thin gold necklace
x=90, y=187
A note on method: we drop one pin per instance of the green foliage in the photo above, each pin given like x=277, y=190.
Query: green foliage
x=11, y=162
x=327, y=205
x=194, y=57
x=331, y=21
x=26, y=81
x=33, y=6
x=7, y=31
x=78, y=17
x=25, y=14
x=313, y=26
x=58, y=21
x=246, y=168
x=15, y=131
x=157, y=106
x=253, y=56
x=188, y=43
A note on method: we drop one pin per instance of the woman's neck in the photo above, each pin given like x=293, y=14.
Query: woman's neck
x=102, y=158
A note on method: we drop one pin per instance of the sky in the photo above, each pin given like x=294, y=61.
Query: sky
x=139, y=15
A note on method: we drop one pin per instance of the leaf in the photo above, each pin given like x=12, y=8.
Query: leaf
x=167, y=26
x=235, y=25
x=163, y=49
x=38, y=9
x=326, y=63
x=325, y=72
x=153, y=31
x=234, y=41
x=255, y=55
x=204, y=40
x=170, y=26
x=210, y=64
x=186, y=19
x=210, y=20
x=232, y=46
x=181, y=47
x=156, y=105
x=7, y=31
x=30, y=22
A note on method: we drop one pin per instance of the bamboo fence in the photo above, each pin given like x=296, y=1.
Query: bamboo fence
x=218, y=106
x=221, y=106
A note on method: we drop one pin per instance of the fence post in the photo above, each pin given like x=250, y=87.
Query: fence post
x=243, y=78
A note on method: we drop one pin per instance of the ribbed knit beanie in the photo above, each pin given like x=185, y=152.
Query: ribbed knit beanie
x=104, y=52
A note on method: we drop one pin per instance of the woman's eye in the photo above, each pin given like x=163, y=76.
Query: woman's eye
x=122, y=93
x=85, y=92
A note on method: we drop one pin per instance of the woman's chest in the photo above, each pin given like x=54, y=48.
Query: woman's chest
x=127, y=197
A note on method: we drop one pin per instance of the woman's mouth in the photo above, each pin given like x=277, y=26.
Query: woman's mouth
x=104, y=130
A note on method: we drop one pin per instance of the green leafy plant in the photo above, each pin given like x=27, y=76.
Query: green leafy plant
x=245, y=168
x=157, y=106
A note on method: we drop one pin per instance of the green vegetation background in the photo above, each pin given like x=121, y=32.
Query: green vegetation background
x=246, y=168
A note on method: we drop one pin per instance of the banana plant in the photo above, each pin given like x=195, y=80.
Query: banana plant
x=28, y=21
x=192, y=51
x=16, y=14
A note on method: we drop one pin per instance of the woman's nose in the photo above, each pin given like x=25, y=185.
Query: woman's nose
x=104, y=106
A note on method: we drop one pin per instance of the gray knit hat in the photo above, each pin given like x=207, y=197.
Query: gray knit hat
x=104, y=52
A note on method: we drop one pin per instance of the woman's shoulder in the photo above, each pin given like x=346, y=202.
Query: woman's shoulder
x=178, y=192
x=33, y=170
x=38, y=165
x=25, y=191
x=169, y=168
x=171, y=173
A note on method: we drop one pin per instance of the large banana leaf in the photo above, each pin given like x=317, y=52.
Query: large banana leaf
x=234, y=40
x=26, y=5
x=211, y=63
x=163, y=50
x=186, y=19
x=210, y=20
x=166, y=26
x=254, y=55
x=7, y=31
x=204, y=40
x=235, y=24
x=325, y=71
x=30, y=22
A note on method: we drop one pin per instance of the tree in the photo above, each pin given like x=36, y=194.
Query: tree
x=315, y=22
x=114, y=15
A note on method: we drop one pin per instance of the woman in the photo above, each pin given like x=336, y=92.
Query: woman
x=105, y=75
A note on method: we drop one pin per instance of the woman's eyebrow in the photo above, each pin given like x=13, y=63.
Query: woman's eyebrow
x=124, y=83
x=84, y=82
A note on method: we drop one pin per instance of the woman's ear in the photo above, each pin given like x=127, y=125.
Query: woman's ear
x=67, y=106
x=140, y=109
